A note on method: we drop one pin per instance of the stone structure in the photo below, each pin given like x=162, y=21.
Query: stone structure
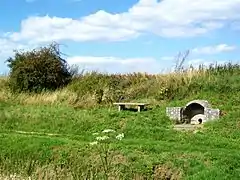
x=194, y=112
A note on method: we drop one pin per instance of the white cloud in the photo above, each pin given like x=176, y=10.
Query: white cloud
x=7, y=50
x=8, y=46
x=118, y=65
x=168, y=18
x=46, y=29
x=104, y=64
x=168, y=58
x=214, y=49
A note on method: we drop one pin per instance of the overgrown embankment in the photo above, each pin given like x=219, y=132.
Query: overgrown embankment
x=48, y=134
x=94, y=89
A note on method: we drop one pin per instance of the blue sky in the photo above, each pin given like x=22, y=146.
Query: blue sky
x=123, y=36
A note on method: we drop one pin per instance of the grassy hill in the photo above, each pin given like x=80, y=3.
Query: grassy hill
x=48, y=135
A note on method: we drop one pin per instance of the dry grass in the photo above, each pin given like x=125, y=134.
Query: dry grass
x=94, y=88
x=165, y=172
x=59, y=96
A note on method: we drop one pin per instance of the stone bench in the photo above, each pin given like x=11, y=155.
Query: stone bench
x=140, y=106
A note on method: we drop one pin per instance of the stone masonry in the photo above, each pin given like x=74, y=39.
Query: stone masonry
x=194, y=112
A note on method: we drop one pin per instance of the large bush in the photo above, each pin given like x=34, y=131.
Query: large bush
x=38, y=70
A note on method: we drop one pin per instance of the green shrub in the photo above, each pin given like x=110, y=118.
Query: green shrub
x=39, y=69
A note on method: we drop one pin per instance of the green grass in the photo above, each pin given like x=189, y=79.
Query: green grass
x=57, y=142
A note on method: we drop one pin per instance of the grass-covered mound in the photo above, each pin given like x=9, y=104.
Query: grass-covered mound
x=48, y=135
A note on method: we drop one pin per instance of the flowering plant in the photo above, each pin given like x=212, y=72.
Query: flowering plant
x=102, y=143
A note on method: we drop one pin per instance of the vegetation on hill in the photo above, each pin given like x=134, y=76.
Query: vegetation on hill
x=50, y=134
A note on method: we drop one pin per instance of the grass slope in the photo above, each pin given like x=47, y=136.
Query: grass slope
x=60, y=130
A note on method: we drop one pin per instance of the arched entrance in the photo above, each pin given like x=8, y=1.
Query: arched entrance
x=192, y=110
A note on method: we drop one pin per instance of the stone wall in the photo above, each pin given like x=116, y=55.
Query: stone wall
x=212, y=113
x=175, y=113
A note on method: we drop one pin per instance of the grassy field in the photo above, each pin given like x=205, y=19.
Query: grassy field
x=48, y=135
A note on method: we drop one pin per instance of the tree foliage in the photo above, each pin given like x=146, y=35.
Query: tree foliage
x=38, y=70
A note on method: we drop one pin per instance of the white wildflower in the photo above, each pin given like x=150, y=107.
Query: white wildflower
x=93, y=143
x=120, y=137
x=95, y=134
x=102, y=138
x=108, y=131
x=13, y=175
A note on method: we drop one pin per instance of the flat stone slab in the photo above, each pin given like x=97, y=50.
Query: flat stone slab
x=187, y=127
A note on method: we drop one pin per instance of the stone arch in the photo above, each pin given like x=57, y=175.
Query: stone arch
x=192, y=110
x=203, y=103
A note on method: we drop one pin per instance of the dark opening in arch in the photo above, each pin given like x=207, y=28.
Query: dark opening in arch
x=191, y=110
x=200, y=121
